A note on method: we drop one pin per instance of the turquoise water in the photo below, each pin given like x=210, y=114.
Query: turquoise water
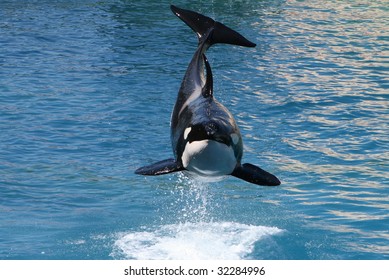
x=86, y=93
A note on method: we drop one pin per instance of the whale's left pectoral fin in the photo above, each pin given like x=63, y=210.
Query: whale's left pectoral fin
x=161, y=167
x=255, y=175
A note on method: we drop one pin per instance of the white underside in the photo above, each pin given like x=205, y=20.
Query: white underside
x=209, y=158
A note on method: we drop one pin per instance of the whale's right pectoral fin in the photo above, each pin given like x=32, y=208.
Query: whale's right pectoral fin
x=161, y=167
x=255, y=175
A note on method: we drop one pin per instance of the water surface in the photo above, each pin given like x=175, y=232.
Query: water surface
x=86, y=93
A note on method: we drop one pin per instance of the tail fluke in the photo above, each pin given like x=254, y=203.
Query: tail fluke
x=207, y=28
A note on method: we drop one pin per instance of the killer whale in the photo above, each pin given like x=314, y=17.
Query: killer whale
x=205, y=138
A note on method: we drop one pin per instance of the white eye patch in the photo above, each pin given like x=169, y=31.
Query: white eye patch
x=235, y=138
x=186, y=132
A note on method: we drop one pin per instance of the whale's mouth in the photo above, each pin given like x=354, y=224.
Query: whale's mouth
x=224, y=139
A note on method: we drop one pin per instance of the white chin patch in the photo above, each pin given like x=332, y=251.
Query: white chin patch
x=209, y=158
x=203, y=178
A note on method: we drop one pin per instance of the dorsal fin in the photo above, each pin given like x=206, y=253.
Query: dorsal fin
x=203, y=26
x=207, y=90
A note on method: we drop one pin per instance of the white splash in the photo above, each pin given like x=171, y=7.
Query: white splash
x=192, y=241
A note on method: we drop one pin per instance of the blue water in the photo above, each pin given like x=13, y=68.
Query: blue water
x=86, y=92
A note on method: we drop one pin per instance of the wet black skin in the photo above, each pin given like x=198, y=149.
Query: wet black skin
x=197, y=109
